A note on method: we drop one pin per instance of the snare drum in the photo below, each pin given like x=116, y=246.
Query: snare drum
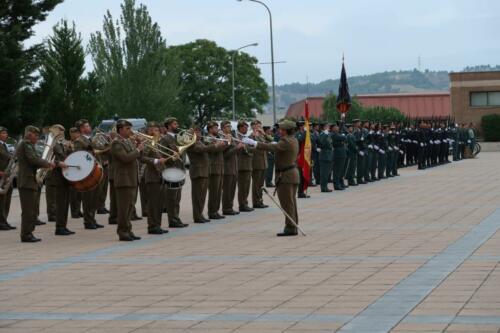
x=174, y=178
x=84, y=172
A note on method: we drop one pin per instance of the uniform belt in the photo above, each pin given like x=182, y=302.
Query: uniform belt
x=286, y=168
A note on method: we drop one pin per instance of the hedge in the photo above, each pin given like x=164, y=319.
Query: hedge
x=491, y=127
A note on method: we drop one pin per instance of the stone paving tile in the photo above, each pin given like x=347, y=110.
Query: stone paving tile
x=361, y=244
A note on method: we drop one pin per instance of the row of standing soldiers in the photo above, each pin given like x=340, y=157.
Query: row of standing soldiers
x=362, y=152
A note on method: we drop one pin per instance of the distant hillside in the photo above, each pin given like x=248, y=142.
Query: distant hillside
x=386, y=82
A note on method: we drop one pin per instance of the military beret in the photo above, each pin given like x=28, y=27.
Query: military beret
x=242, y=123
x=122, y=123
x=3, y=129
x=152, y=124
x=169, y=120
x=32, y=129
x=287, y=124
x=255, y=122
x=212, y=124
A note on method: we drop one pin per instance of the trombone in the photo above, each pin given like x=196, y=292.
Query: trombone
x=152, y=143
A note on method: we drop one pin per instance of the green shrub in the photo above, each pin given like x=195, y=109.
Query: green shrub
x=491, y=127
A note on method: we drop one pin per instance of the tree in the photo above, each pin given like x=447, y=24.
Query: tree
x=138, y=76
x=382, y=114
x=206, y=82
x=17, y=63
x=65, y=90
x=331, y=114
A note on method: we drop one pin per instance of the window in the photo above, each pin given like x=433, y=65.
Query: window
x=487, y=98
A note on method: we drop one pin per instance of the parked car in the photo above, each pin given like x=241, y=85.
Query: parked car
x=108, y=124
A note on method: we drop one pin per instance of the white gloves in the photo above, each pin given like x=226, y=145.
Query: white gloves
x=382, y=151
x=361, y=153
x=250, y=142
x=318, y=150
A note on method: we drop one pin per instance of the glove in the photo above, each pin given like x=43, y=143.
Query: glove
x=468, y=141
x=361, y=153
x=370, y=146
x=421, y=144
x=249, y=142
x=318, y=150
x=382, y=151
x=376, y=147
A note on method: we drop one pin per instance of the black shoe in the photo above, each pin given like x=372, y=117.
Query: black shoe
x=176, y=225
x=38, y=222
x=285, y=234
x=200, y=221
x=352, y=184
x=205, y=219
x=326, y=191
x=216, y=217
x=156, y=231
x=126, y=238
x=52, y=219
x=303, y=196
x=339, y=188
x=30, y=239
x=136, y=218
x=102, y=211
x=246, y=209
x=362, y=182
x=230, y=212
x=270, y=185
x=90, y=226
x=6, y=227
x=135, y=237
x=64, y=232
x=260, y=205
x=98, y=226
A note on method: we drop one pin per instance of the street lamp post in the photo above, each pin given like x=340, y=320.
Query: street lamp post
x=235, y=52
x=272, y=56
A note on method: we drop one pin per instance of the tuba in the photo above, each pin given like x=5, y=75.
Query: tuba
x=10, y=173
x=101, y=142
x=55, y=135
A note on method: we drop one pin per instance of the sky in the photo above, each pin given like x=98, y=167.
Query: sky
x=311, y=36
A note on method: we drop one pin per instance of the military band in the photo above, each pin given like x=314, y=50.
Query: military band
x=221, y=160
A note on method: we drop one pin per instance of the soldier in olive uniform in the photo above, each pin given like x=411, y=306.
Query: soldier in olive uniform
x=230, y=171
x=102, y=189
x=287, y=175
x=259, y=166
x=245, y=158
x=199, y=173
x=5, y=158
x=113, y=213
x=28, y=163
x=216, y=171
x=89, y=198
x=173, y=196
x=55, y=179
x=125, y=156
x=152, y=178
x=325, y=151
x=339, y=157
x=270, y=158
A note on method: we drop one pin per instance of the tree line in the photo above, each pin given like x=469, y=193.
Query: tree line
x=134, y=74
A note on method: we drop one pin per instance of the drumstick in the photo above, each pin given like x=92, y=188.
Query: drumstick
x=73, y=166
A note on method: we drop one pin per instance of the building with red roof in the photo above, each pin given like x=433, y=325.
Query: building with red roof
x=413, y=105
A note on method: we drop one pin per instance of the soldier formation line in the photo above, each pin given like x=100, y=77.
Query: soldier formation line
x=80, y=173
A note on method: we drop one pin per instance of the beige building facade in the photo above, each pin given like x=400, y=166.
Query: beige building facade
x=474, y=95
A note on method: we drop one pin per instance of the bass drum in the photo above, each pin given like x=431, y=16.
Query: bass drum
x=84, y=172
x=174, y=178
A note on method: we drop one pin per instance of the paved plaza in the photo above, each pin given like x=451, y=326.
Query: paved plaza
x=415, y=253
